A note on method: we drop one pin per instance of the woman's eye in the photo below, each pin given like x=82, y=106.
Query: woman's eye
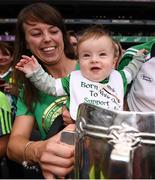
x=36, y=34
x=54, y=32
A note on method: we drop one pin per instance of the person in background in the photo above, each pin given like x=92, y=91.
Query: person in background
x=73, y=39
x=97, y=82
x=40, y=30
x=5, y=123
x=5, y=130
x=7, y=84
x=9, y=88
x=131, y=51
x=138, y=97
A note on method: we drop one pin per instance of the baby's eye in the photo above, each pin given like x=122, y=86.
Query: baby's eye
x=86, y=55
x=102, y=54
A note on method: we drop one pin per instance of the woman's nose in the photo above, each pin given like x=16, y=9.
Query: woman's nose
x=47, y=37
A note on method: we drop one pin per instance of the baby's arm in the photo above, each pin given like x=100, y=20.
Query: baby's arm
x=134, y=66
x=36, y=74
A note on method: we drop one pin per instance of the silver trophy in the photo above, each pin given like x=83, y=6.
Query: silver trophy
x=114, y=144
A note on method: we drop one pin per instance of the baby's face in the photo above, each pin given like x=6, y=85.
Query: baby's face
x=96, y=58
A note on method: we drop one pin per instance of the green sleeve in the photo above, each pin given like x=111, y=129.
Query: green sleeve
x=66, y=80
x=65, y=83
x=124, y=62
x=77, y=66
x=21, y=106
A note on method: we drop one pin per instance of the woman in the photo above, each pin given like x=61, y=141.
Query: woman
x=40, y=31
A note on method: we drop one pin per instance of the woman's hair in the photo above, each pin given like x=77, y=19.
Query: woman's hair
x=96, y=31
x=36, y=12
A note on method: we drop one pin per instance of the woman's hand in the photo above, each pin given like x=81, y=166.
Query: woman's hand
x=56, y=158
x=66, y=116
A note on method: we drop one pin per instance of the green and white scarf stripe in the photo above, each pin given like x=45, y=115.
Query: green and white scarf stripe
x=131, y=51
x=5, y=115
x=5, y=122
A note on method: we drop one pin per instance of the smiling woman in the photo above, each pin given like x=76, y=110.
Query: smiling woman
x=41, y=32
x=45, y=40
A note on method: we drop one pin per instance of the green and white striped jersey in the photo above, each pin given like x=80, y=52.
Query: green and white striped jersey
x=5, y=115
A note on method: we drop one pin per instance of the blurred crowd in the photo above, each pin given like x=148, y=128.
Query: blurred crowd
x=46, y=73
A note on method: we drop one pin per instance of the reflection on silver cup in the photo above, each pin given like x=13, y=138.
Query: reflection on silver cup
x=114, y=145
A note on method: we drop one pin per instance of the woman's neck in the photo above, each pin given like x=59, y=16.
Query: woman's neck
x=62, y=69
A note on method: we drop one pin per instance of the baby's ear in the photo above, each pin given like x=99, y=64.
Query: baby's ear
x=115, y=62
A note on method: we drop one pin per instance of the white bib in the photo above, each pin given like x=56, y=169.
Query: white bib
x=109, y=95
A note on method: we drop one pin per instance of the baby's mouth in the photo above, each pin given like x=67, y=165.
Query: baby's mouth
x=95, y=69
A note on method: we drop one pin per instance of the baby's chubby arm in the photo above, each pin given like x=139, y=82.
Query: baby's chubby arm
x=27, y=64
x=132, y=69
x=36, y=74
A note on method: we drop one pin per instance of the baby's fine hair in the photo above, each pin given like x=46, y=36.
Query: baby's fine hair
x=96, y=31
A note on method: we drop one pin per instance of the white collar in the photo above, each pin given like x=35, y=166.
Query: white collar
x=6, y=73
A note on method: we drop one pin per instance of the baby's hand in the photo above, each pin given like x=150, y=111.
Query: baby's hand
x=27, y=64
x=141, y=52
x=140, y=55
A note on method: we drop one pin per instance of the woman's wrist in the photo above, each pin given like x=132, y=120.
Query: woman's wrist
x=30, y=155
x=26, y=148
x=32, y=151
x=27, y=164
